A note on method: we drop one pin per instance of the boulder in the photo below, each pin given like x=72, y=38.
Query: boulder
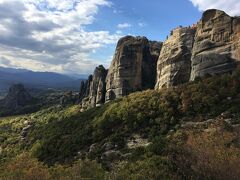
x=111, y=155
x=174, y=63
x=25, y=131
x=93, y=148
x=108, y=146
x=137, y=141
x=133, y=67
x=216, y=47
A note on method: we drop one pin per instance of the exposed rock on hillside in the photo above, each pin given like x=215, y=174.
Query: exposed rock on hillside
x=83, y=89
x=17, y=97
x=216, y=46
x=210, y=47
x=18, y=101
x=68, y=98
x=133, y=67
x=174, y=63
x=97, y=86
x=92, y=92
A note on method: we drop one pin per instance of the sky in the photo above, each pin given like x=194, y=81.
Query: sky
x=75, y=36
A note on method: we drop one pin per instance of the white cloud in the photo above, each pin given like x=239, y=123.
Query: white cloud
x=124, y=25
x=119, y=32
x=232, y=7
x=50, y=35
x=142, y=24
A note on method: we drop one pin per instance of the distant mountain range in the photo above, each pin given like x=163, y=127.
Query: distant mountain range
x=38, y=80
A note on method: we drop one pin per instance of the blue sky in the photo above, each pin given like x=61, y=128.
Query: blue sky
x=74, y=36
x=153, y=19
x=156, y=17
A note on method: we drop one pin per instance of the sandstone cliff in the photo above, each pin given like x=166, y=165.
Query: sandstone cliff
x=210, y=47
x=18, y=101
x=174, y=63
x=133, y=67
x=216, y=47
x=92, y=92
x=17, y=97
x=236, y=40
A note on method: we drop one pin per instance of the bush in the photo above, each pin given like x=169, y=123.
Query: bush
x=157, y=146
x=24, y=167
x=209, y=156
x=155, y=167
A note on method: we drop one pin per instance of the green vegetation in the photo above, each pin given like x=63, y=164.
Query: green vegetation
x=33, y=106
x=58, y=139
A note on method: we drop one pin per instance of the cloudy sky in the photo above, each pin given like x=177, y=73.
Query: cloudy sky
x=74, y=36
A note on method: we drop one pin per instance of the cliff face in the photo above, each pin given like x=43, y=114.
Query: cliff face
x=16, y=99
x=216, y=46
x=133, y=67
x=210, y=47
x=174, y=63
x=97, y=86
x=92, y=92
x=236, y=39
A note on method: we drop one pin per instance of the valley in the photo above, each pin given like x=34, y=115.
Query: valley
x=163, y=110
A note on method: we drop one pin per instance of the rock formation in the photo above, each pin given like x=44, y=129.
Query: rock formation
x=82, y=91
x=17, y=97
x=84, y=88
x=68, y=98
x=97, y=86
x=210, y=47
x=216, y=47
x=174, y=63
x=92, y=92
x=133, y=67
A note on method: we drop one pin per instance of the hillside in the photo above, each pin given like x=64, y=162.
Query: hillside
x=187, y=132
x=210, y=47
x=163, y=110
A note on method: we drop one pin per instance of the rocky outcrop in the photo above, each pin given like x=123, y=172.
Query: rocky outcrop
x=236, y=39
x=133, y=67
x=83, y=90
x=68, y=98
x=18, y=101
x=210, y=47
x=97, y=86
x=136, y=141
x=216, y=47
x=174, y=63
x=17, y=97
x=92, y=92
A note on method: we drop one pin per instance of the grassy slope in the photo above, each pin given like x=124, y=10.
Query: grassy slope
x=58, y=134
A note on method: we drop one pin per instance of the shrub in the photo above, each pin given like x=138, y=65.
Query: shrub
x=208, y=156
x=155, y=167
x=24, y=167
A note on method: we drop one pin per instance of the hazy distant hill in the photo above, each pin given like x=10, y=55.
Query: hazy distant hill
x=30, y=79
